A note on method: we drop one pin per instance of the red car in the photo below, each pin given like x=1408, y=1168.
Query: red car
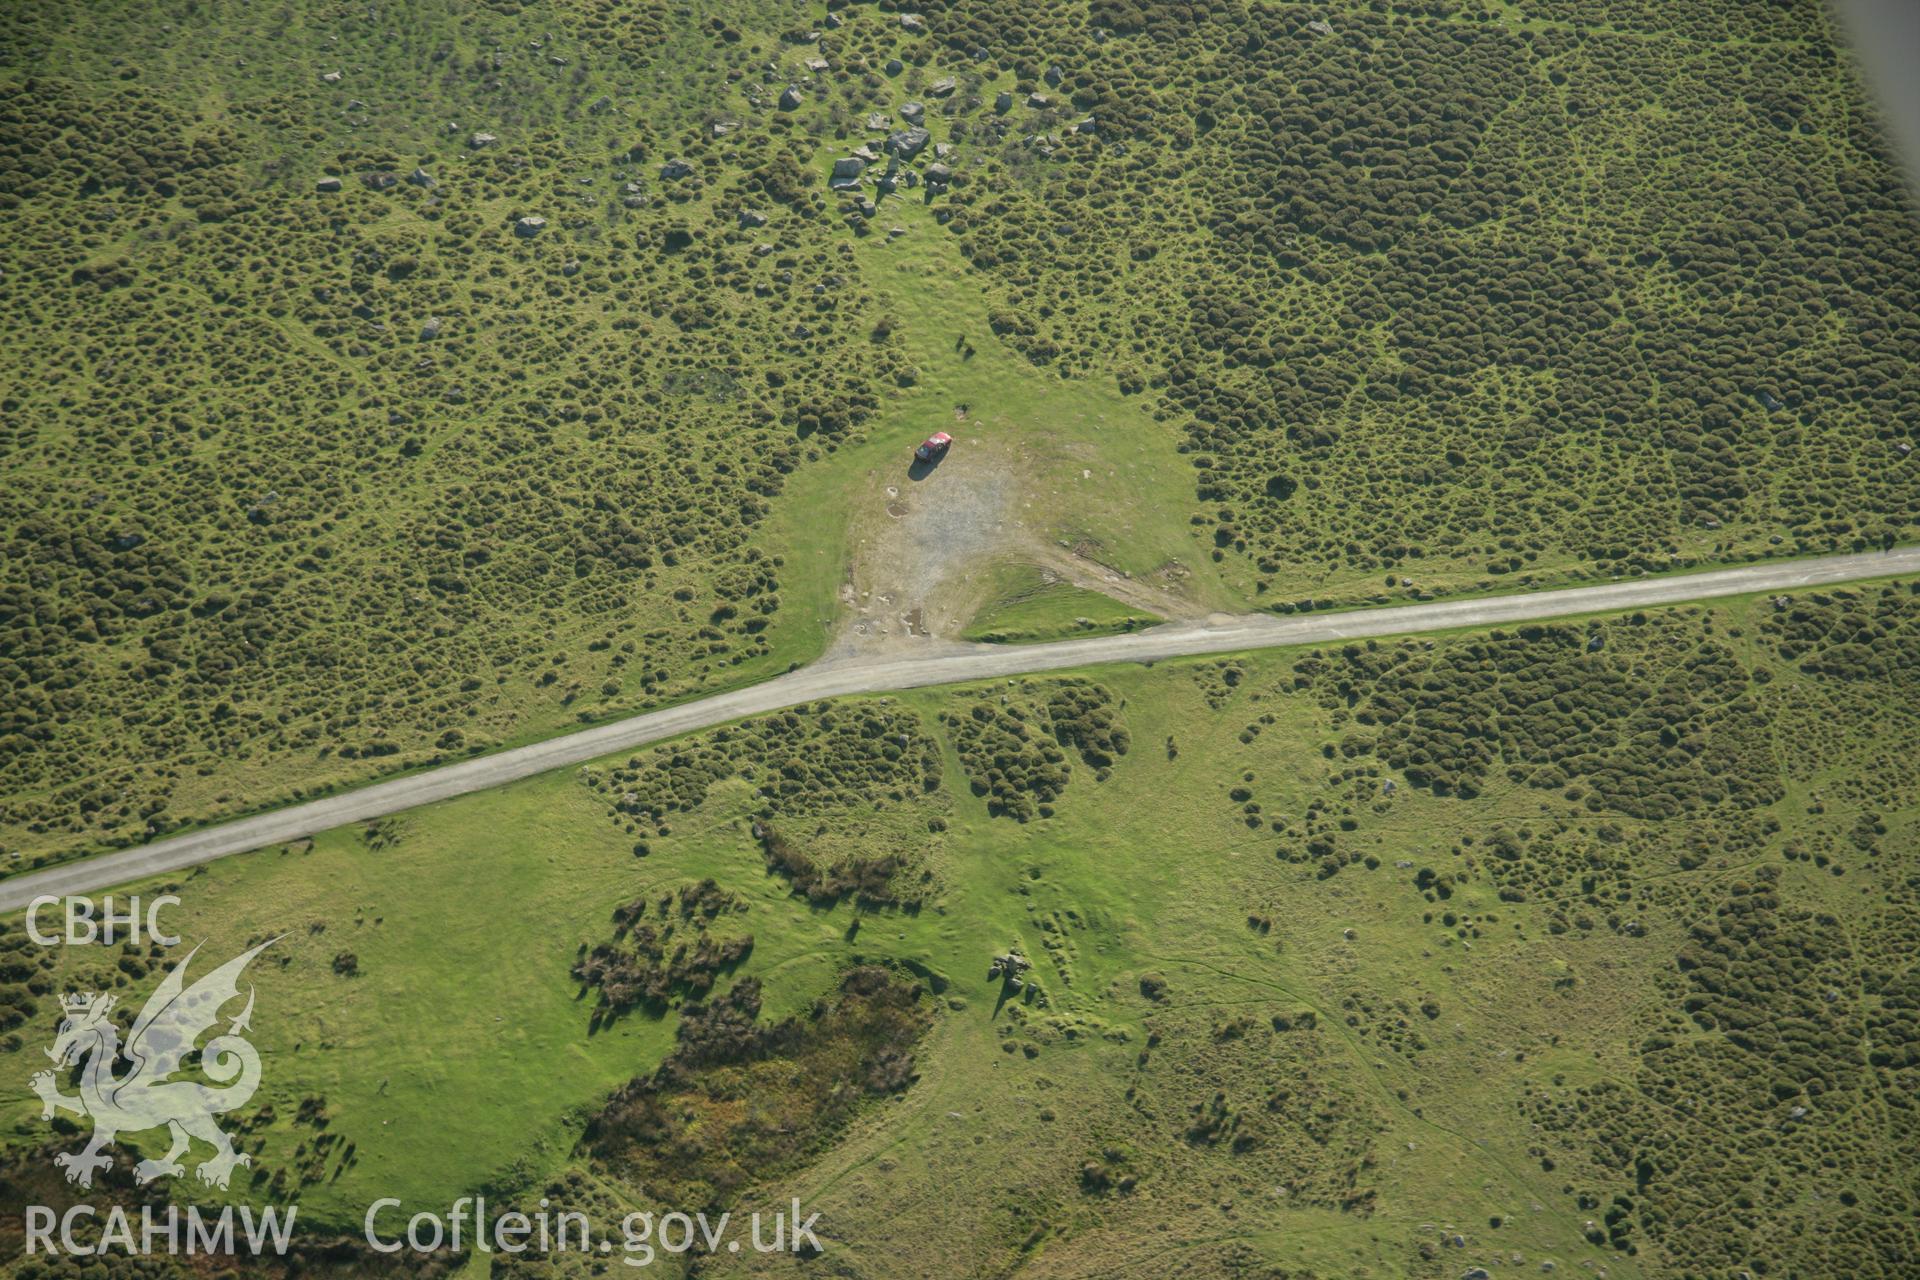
x=933, y=446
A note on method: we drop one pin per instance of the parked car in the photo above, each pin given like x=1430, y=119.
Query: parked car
x=933, y=446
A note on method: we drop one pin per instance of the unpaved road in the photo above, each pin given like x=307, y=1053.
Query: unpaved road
x=936, y=663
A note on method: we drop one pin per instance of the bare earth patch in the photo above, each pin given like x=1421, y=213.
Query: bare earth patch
x=926, y=537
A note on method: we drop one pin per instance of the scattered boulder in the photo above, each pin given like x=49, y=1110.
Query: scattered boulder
x=529, y=226
x=675, y=169
x=913, y=22
x=721, y=128
x=790, y=99
x=846, y=172
x=431, y=329
x=481, y=140
x=1039, y=101
x=327, y=184
x=908, y=143
x=380, y=180
x=943, y=87
x=571, y=267
x=420, y=178
x=331, y=77
x=939, y=175
x=1010, y=966
x=1054, y=76
x=895, y=66
x=1320, y=27
x=879, y=120
x=600, y=105
x=913, y=112
x=1003, y=102
x=817, y=65
x=752, y=218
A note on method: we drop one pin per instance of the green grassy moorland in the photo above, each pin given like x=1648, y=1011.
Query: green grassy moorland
x=303, y=486
x=317, y=484
x=1588, y=943
x=1026, y=604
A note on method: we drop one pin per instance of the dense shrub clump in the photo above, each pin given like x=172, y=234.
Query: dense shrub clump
x=651, y=960
x=1750, y=1078
x=870, y=881
x=808, y=761
x=1368, y=270
x=1651, y=720
x=312, y=484
x=1015, y=750
x=681, y=1131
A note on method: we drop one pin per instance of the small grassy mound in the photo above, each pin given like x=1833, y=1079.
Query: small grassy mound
x=1027, y=603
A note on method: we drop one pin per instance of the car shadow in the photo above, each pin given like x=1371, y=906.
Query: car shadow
x=918, y=470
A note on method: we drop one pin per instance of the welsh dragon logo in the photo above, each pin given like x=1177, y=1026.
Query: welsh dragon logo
x=173, y=1018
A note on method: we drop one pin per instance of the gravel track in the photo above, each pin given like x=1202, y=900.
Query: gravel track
x=933, y=663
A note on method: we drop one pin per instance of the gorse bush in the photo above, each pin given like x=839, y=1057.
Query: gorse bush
x=1014, y=749
x=870, y=881
x=818, y=759
x=651, y=960
x=681, y=1130
x=1369, y=278
x=1656, y=723
x=318, y=478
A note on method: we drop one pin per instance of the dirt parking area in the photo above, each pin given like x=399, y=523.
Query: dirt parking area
x=926, y=536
